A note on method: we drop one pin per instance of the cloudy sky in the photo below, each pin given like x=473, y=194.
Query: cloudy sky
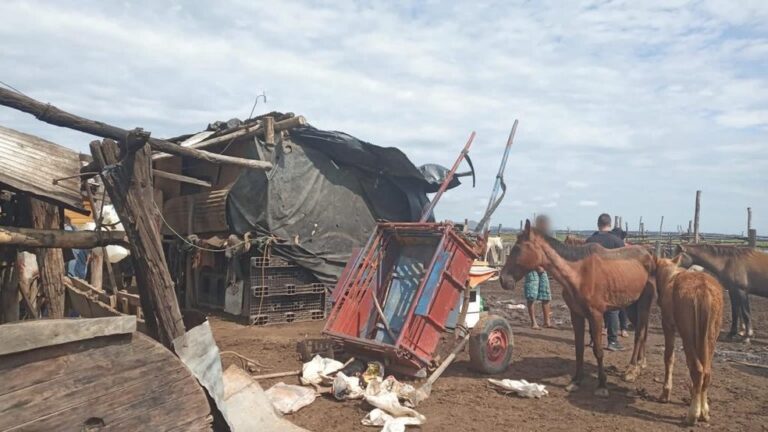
x=624, y=107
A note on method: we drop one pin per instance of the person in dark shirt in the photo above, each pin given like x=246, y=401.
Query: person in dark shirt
x=604, y=237
x=623, y=319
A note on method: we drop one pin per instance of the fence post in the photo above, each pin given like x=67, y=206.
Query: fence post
x=749, y=219
x=696, y=214
x=661, y=228
x=752, y=237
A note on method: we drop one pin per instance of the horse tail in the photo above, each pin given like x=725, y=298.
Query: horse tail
x=703, y=328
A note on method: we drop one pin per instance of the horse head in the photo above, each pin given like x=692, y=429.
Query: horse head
x=666, y=268
x=685, y=258
x=526, y=255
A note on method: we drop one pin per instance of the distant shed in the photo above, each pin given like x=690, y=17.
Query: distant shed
x=30, y=164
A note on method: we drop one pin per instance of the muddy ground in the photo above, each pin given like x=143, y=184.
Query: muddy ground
x=462, y=401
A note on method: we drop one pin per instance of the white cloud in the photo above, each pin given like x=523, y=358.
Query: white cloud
x=588, y=203
x=549, y=204
x=575, y=184
x=744, y=118
x=618, y=97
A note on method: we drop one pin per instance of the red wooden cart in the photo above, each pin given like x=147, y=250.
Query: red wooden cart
x=407, y=288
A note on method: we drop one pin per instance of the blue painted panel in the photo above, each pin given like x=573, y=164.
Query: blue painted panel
x=433, y=281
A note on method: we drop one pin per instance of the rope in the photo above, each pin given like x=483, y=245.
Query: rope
x=189, y=243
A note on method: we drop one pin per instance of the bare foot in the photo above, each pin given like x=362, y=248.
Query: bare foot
x=624, y=333
x=549, y=325
x=535, y=327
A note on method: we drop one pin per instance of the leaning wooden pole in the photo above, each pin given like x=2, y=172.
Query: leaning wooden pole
x=127, y=176
x=52, y=115
x=50, y=261
x=749, y=218
x=56, y=238
x=696, y=214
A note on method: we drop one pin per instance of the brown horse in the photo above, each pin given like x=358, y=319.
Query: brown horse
x=691, y=303
x=572, y=240
x=594, y=280
x=741, y=270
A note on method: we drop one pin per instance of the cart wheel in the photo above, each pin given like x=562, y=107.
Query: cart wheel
x=490, y=345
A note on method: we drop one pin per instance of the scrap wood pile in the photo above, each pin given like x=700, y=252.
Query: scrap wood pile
x=123, y=162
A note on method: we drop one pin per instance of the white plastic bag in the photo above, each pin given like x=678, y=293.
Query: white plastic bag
x=317, y=370
x=521, y=387
x=345, y=388
x=288, y=398
x=379, y=417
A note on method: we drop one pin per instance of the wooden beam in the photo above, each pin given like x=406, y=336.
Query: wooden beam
x=181, y=178
x=129, y=185
x=52, y=115
x=56, y=238
x=257, y=129
x=37, y=334
x=50, y=261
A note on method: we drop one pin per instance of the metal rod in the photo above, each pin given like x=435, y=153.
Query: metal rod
x=499, y=184
x=448, y=178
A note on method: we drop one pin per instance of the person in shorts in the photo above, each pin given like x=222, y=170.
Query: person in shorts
x=536, y=286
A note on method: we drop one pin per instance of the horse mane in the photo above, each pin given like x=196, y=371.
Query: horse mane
x=725, y=251
x=579, y=252
x=566, y=251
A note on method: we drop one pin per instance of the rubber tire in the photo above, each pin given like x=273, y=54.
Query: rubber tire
x=478, y=345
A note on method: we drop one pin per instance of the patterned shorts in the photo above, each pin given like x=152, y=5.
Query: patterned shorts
x=537, y=287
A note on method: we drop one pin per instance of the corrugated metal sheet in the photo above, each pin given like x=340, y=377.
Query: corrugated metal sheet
x=29, y=164
x=209, y=214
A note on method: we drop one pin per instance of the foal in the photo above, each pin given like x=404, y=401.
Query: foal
x=692, y=303
x=594, y=280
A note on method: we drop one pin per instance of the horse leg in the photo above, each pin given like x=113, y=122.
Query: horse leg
x=597, y=350
x=669, y=359
x=704, y=415
x=746, y=317
x=733, y=294
x=578, y=336
x=641, y=335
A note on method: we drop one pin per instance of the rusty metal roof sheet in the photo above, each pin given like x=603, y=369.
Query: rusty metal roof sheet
x=30, y=164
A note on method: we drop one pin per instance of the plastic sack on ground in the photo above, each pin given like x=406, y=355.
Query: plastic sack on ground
x=345, y=387
x=521, y=387
x=317, y=370
x=379, y=417
x=288, y=398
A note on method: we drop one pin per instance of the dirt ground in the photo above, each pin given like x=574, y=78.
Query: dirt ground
x=462, y=401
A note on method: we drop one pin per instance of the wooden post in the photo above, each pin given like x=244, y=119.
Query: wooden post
x=616, y=222
x=749, y=219
x=752, y=237
x=521, y=226
x=9, y=285
x=626, y=227
x=50, y=261
x=696, y=215
x=129, y=185
x=269, y=130
x=661, y=228
x=498, y=232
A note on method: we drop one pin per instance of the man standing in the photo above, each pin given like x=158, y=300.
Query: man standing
x=608, y=240
x=537, y=285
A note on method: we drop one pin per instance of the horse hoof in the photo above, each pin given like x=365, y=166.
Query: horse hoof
x=690, y=421
x=730, y=337
x=572, y=387
x=664, y=398
x=630, y=376
x=704, y=417
x=602, y=392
